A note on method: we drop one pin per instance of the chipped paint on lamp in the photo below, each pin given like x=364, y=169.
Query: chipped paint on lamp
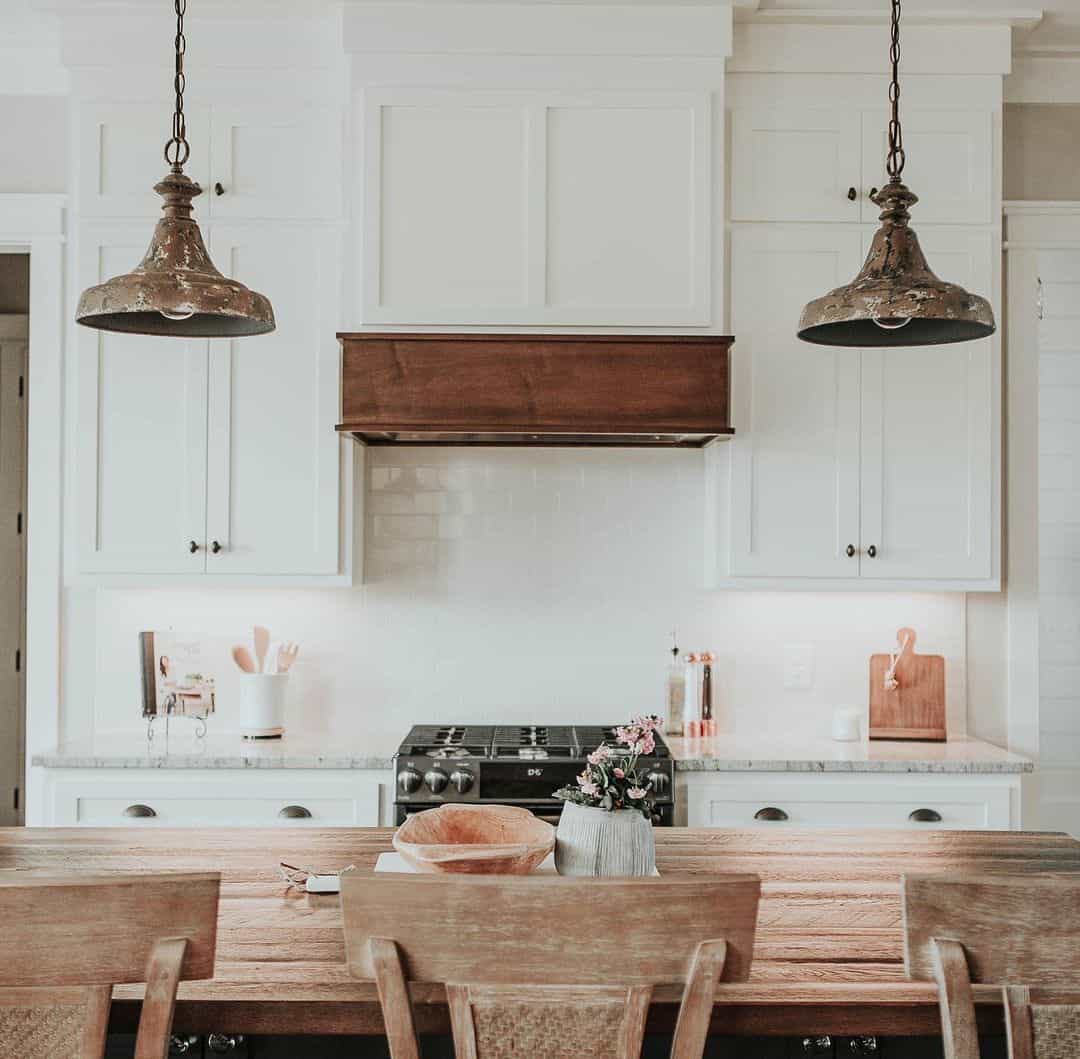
x=896, y=300
x=176, y=282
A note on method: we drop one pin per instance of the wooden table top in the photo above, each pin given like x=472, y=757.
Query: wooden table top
x=828, y=957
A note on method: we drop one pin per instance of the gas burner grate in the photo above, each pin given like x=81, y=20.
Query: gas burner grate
x=448, y=740
x=533, y=742
x=589, y=737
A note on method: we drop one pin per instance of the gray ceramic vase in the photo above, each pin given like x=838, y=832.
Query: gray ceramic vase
x=592, y=841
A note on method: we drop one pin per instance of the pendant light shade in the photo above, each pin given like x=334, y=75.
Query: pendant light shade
x=175, y=289
x=896, y=300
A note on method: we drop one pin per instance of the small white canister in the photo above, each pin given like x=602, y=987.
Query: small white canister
x=846, y=725
x=262, y=705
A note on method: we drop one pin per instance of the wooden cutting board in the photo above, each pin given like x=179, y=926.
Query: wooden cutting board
x=915, y=709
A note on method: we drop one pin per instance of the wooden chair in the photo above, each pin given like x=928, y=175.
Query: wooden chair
x=1021, y=932
x=549, y=967
x=66, y=940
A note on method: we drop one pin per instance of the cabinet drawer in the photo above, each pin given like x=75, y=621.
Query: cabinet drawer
x=214, y=812
x=850, y=805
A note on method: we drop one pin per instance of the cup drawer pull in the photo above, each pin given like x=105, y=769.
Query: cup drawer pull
x=924, y=816
x=139, y=811
x=295, y=812
x=770, y=812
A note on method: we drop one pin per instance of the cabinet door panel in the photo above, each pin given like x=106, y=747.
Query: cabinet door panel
x=140, y=444
x=275, y=161
x=120, y=159
x=795, y=452
x=790, y=164
x=928, y=446
x=949, y=163
x=272, y=485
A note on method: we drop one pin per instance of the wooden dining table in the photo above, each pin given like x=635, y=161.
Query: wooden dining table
x=828, y=958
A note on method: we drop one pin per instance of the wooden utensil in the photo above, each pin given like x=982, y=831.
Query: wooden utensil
x=262, y=645
x=242, y=657
x=286, y=655
x=912, y=704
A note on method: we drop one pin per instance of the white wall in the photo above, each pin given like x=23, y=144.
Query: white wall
x=33, y=148
x=515, y=585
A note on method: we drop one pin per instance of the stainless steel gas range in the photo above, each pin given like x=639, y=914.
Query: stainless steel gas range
x=510, y=765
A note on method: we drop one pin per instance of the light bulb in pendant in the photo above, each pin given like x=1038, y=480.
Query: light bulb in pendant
x=892, y=323
x=172, y=315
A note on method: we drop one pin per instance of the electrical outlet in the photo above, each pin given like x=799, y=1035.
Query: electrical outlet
x=798, y=666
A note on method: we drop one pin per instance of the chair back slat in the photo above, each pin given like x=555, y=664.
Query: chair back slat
x=68, y=939
x=545, y=930
x=1021, y=932
x=553, y=967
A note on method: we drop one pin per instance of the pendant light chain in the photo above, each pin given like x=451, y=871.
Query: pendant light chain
x=177, y=148
x=894, y=164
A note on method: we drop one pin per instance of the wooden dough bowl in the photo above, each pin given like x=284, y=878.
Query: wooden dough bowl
x=475, y=839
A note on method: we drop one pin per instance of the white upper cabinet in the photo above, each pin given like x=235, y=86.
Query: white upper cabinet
x=949, y=163
x=140, y=443
x=817, y=163
x=526, y=207
x=795, y=164
x=254, y=160
x=272, y=483
x=121, y=158
x=275, y=161
x=795, y=454
x=928, y=443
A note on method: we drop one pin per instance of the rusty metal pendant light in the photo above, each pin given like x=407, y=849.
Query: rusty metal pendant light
x=175, y=289
x=896, y=300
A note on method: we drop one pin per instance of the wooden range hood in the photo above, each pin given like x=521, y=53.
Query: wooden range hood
x=529, y=389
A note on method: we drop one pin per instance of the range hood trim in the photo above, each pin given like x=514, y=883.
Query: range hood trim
x=537, y=389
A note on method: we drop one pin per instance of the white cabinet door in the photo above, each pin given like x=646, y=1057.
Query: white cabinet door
x=928, y=441
x=272, y=486
x=140, y=444
x=949, y=163
x=795, y=454
x=273, y=161
x=121, y=158
x=791, y=164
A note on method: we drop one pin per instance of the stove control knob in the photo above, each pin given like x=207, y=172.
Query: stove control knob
x=658, y=782
x=437, y=780
x=462, y=779
x=409, y=780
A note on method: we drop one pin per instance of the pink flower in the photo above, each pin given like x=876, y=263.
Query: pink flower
x=600, y=754
x=648, y=743
x=636, y=793
x=588, y=787
x=619, y=773
x=647, y=722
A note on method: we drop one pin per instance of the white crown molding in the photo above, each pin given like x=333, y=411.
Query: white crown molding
x=1019, y=18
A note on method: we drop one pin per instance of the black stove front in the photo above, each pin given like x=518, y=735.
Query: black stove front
x=519, y=765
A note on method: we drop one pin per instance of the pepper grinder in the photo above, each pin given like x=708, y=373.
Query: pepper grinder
x=675, y=699
x=708, y=722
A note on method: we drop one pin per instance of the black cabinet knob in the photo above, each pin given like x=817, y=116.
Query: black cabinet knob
x=872, y=551
x=193, y=547
x=294, y=812
x=849, y=551
x=215, y=546
x=219, y=188
x=872, y=195
x=852, y=194
x=139, y=811
x=770, y=812
x=924, y=816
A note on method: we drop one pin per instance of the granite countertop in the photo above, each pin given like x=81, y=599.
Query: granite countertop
x=769, y=753
x=219, y=752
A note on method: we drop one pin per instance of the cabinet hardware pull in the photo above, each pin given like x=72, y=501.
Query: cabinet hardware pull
x=873, y=195
x=139, y=811
x=219, y=188
x=849, y=551
x=1040, y=308
x=193, y=547
x=924, y=816
x=852, y=194
x=222, y=1043
x=294, y=812
x=872, y=551
x=215, y=546
x=770, y=812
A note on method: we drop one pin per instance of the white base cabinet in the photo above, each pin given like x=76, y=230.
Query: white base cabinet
x=217, y=798
x=850, y=801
